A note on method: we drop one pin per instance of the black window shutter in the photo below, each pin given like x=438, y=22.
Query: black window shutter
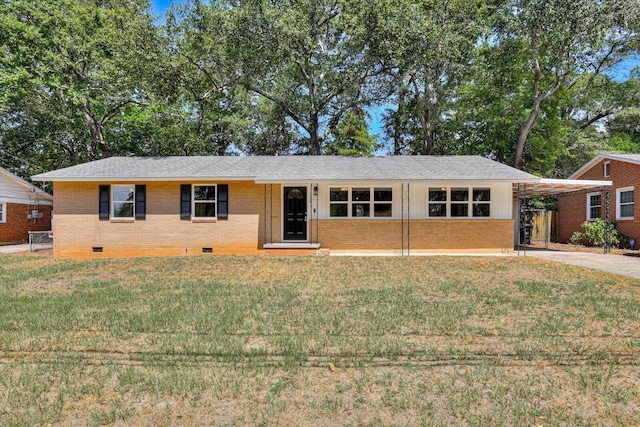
x=141, y=201
x=185, y=201
x=223, y=201
x=103, y=209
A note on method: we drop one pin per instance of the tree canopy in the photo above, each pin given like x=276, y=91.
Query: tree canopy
x=526, y=82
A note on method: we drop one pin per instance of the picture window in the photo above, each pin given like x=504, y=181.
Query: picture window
x=360, y=202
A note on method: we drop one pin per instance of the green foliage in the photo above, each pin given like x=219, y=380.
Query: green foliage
x=352, y=138
x=428, y=47
x=521, y=81
x=67, y=69
x=594, y=234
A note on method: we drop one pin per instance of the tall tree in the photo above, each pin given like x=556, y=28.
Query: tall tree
x=428, y=44
x=68, y=68
x=562, y=40
x=308, y=57
x=351, y=137
x=491, y=106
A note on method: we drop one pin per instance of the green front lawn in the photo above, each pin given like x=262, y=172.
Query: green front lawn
x=316, y=341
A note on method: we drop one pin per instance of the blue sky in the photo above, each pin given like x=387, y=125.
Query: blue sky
x=159, y=6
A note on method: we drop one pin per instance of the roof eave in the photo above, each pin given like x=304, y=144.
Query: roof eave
x=140, y=178
x=26, y=184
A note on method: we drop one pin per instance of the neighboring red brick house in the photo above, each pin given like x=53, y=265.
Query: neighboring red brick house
x=23, y=208
x=624, y=172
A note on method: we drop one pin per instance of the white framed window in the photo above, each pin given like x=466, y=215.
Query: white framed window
x=625, y=203
x=203, y=201
x=459, y=202
x=123, y=201
x=607, y=169
x=437, y=202
x=594, y=206
x=360, y=202
x=3, y=212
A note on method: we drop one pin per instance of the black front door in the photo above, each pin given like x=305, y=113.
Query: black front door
x=295, y=213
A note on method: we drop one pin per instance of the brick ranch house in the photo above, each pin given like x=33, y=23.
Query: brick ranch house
x=623, y=170
x=136, y=206
x=23, y=208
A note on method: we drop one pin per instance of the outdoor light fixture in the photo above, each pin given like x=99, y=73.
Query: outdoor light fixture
x=315, y=190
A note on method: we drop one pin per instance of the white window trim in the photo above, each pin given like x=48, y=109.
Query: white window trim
x=589, y=218
x=621, y=190
x=3, y=213
x=371, y=202
x=604, y=169
x=193, y=202
x=113, y=202
x=469, y=202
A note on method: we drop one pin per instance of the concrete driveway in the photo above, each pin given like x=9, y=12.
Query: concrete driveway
x=14, y=249
x=24, y=247
x=624, y=265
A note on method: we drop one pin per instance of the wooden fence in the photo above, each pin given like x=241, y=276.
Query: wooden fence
x=538, y=225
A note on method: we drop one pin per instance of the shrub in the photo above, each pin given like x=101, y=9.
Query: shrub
x=594, y=234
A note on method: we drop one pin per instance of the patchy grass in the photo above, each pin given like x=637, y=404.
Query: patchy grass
x=316, y=341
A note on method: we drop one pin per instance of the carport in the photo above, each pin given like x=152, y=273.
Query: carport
x=547, y=187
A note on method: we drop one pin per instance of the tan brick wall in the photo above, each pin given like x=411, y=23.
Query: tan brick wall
x=572, y=209
x=424, y=234
x=78, y=229
x=16, y=228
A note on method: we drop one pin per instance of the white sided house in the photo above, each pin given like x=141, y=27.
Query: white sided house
x=134, y=206
x=23, y=208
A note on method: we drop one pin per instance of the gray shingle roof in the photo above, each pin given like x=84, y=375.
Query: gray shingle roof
x=290, y=168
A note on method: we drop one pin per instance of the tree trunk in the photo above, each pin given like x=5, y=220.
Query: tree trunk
x=524, y=134
x=96, y=129
x=314, y=140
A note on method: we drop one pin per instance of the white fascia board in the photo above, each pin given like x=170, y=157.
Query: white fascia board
x=579, y=182
x=587, y=166
x=143, y=179
x=446, y=182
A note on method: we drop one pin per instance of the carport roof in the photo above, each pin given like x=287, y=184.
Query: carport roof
x=554, y=187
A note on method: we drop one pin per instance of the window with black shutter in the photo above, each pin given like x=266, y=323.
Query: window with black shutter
x=122, y=202
x=202, y=202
